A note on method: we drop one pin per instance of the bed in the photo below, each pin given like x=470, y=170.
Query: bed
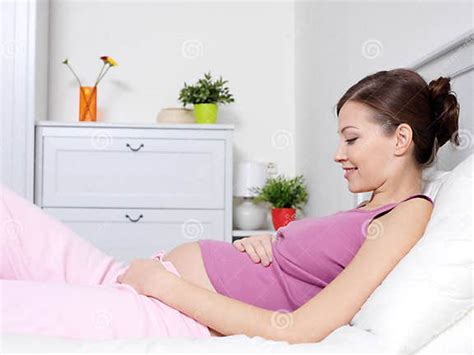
x=417, y=309
x=424, y=306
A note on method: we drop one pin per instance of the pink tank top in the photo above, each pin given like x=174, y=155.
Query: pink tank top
x=307, y=255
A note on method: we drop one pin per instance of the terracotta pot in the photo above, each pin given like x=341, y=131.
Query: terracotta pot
x=282, y=216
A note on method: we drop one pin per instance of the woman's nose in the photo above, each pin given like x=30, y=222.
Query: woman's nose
x=339, y=155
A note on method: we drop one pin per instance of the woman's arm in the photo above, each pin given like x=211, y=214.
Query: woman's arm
x=336, y=305
x=330, y=309
x=224, y=314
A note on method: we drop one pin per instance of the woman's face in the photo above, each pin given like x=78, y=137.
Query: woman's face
x=362, y=145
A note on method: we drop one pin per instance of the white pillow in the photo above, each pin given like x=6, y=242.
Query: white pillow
x=432, y=181
x=431, y=287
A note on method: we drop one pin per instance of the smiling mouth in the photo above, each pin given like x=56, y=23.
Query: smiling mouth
x=349, y=171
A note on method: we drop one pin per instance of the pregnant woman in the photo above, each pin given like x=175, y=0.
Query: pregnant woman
x=299, y=285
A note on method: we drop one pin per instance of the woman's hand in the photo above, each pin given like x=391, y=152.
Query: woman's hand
x=258, y=247
x=141, y=273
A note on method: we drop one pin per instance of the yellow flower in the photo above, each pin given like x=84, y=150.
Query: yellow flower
x=108, y=63
x=109, y=60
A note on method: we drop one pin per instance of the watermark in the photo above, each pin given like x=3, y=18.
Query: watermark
x=192, y=49
x=13, y=229
x=11, y=48
x=372, y=229
x=372, y=48
x=282, y=139
x=466, y=221
x=465, y=139
x=103, y=227
x=287, y=219
x=101, y=139
x=460, y=315
x=101, y=320
x=282, y=319
x=192, y=229
x=453, y=58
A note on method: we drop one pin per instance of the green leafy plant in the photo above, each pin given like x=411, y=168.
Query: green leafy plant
x=206, y=91
x=281, y=192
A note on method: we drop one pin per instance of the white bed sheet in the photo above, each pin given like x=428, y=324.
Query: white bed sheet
x=458, y=339
x=346, y=339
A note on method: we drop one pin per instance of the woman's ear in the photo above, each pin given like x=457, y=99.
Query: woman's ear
x=404, y=136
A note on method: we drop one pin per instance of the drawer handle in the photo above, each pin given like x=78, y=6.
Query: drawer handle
x=135, y=149
x=134, y=220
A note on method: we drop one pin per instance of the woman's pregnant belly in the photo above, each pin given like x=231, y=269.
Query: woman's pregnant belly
x=187, y=259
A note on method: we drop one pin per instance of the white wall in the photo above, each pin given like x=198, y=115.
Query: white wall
x=42, y=59
x=287, y=65
x=161, y=44
x=332, y=54
x=19, y=24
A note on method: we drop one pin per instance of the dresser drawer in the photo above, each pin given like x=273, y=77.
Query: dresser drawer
x=115, y=232
x=133, y=172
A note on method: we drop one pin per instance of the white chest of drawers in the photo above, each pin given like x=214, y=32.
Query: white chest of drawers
x=131, y=190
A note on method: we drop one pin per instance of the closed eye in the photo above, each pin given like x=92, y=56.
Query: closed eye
x=351, y=141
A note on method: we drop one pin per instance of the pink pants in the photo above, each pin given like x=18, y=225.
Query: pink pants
x=52, y=282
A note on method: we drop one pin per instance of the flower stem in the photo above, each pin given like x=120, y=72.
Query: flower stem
x=101, y=70
x=100, y=78
x=78, y=80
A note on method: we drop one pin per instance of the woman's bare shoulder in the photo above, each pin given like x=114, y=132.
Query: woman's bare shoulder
x=418, y=209
x=417, y=204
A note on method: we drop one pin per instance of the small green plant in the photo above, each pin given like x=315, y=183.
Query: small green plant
x=283, y=193
x=206, y=91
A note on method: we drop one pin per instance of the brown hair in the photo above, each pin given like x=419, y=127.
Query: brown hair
x=403, y=96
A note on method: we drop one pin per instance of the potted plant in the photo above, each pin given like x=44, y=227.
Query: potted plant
x=204, y=96
x=285, y=195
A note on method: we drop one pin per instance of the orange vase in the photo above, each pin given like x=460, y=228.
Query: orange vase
x=88, y=103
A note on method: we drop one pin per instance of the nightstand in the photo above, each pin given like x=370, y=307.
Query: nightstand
x=134, y=189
